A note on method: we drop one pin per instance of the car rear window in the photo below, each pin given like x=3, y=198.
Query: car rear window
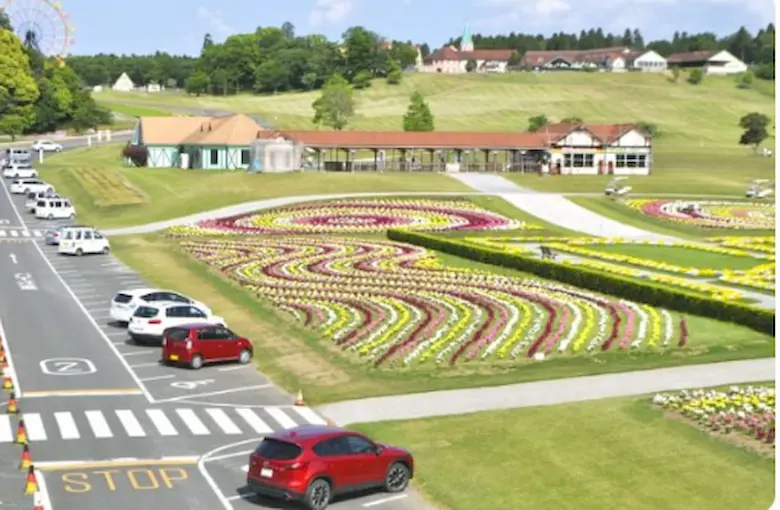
x=278, y=450
x=177, y=334
x=145, y=312
x=123, y=298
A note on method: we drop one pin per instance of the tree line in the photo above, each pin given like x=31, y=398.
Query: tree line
x=38, y=94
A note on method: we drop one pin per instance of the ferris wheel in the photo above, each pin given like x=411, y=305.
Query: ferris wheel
x=41, y=24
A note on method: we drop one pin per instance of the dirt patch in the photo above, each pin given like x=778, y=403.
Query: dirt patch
x=736, y=438
x=108, y=187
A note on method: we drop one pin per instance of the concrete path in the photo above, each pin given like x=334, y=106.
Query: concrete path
x=541, y=393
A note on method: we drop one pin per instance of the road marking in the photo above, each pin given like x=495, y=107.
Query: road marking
x=163, y=424
x=192, y=422
x=279, y=415
x=214, y=393
x=141, y=365
x=382, y=501
x=230, y=455
x=254, y=421
x=230, y=369
x=245, y=468
x=99, y=424
x=158, y=378
x=115, y=463
x=34, y=425
x=310, y=416
x=67, y=425
x=130, y=423
x=6, y=432
x=226, y=505
x=222, y=420
x=10, y=371
x=139, y=353
x=84, y=393
x=43, y=490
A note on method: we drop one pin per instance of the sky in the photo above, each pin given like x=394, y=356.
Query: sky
x=178, y=26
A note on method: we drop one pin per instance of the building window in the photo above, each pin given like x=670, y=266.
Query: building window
x=578, y=160
x=214, y=157
x=631, y=160
x=245, y=156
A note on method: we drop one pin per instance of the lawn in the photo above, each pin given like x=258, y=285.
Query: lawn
x=130, y=110
x=679, y=256
x=296, y=357
x=107, y=194
x=696, y=149
x=613, y=209
x=600, y=455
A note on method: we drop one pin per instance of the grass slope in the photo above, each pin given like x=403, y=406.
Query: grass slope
x=697, y=148
x=106, y=193
x=602, y=455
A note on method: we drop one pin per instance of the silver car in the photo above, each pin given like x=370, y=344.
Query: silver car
x=53, y=235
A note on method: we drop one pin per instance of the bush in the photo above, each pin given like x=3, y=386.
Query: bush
x=696, y=77
x=137, y=154
x=752, y=317
x=362, y=80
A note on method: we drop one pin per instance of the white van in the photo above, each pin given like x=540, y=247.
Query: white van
x=19, y=186
x=54, y=208
x=16, y=154
x=19, y=170
x=81, y=240
x=34, y=196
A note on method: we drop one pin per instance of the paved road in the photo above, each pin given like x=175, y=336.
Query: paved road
x=91, y=399
x=560, y=391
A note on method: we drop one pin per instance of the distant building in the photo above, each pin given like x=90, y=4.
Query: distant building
x=452, y=60
x=649, y=62
x=616, y=59
x=153, y=86
x=123, y=84
x=711, y=62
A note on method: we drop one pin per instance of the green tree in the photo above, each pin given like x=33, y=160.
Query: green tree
x=649, y=128
x=418, y=115
x=755, y=129
x=18, y=89
x=309, y=80
x=675, y=77
x=572, y=120
x=198, y=83
x=5, y=22
x=361, y=52
x=271, y=76
x=537, y=122
x=362, y=80
x=745, y=80
x=394, y=73
x=471, y=65
x=696, y=77
x=335, y=106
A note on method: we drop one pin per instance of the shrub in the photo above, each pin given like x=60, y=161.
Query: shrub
x=137, y=154
x=755, y=318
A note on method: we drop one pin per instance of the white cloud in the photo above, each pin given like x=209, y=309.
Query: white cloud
x=215, y=20
x=329, y=11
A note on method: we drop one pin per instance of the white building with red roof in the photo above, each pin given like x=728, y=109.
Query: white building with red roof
x=449, y=59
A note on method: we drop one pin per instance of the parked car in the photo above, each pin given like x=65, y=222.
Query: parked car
x=34, y=196
x=196, y=344
x=54, y=208
x=313, y=463
x=19, y=170
x=46, y=146
x=15, y=154
x=126, y=301
x=19, y=186
x=149, y=322
x=82, y=240
x=52, y=236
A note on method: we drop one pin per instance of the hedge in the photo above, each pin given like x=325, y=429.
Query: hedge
x=755, y=318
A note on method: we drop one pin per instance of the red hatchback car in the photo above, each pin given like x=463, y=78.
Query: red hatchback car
x=313, y=463
x=196, y=344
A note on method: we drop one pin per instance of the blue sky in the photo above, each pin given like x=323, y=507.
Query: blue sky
x=177, y=26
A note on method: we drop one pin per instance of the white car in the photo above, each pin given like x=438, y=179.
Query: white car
x=82, y=240
x=19, y=170
x=46, y=146
x=52, y=208
x=34, y=196
x=149, y=321
x=126, y=301
x=20, y=186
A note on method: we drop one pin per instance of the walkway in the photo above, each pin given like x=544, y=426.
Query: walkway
x=554, y=208
x=541, y=393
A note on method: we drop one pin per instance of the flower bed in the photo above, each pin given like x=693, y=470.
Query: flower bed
x=746, y=410
x=763, y=244
x=709, y=213
x=394, y=303
x=359, y=216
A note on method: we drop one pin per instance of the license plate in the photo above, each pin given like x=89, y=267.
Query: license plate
x=266, y=473
x=173, y=357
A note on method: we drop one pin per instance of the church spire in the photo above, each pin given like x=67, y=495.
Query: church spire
x=466, y=43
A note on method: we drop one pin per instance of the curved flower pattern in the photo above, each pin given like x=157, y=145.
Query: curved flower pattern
x=393, y=303
x=709, y=213
x=359, y=216
x=748, y=410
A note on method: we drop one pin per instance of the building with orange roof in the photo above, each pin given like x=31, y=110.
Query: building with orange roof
x=238, y=142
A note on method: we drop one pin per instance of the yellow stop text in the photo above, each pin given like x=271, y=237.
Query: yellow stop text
x=139, y=479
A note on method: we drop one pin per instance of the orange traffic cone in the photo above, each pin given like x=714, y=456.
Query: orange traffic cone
x=31, y=485
x=21, y=433
x=2, y=353
x=8, y=384
x=38, y=501
x=26, y=460
x=299, y=399
x=12, y=408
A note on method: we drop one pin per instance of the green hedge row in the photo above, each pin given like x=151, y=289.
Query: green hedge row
x=759, y=319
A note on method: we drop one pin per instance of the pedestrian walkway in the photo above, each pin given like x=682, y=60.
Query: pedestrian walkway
x=13, y=233
x=154, y=422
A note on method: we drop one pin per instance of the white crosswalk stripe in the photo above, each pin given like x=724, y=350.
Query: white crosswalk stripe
x=22, y=233
x=156, y=422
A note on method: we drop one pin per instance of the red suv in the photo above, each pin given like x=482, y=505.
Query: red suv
x=314, y=463
x=196, y=344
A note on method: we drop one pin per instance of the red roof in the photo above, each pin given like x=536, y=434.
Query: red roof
x=690, y=57
x=544, y=57
x=450, y=53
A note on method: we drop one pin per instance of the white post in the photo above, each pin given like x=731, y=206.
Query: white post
x=40, y=155
x=99, y=136
x=108, y=135
x=89, y=141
